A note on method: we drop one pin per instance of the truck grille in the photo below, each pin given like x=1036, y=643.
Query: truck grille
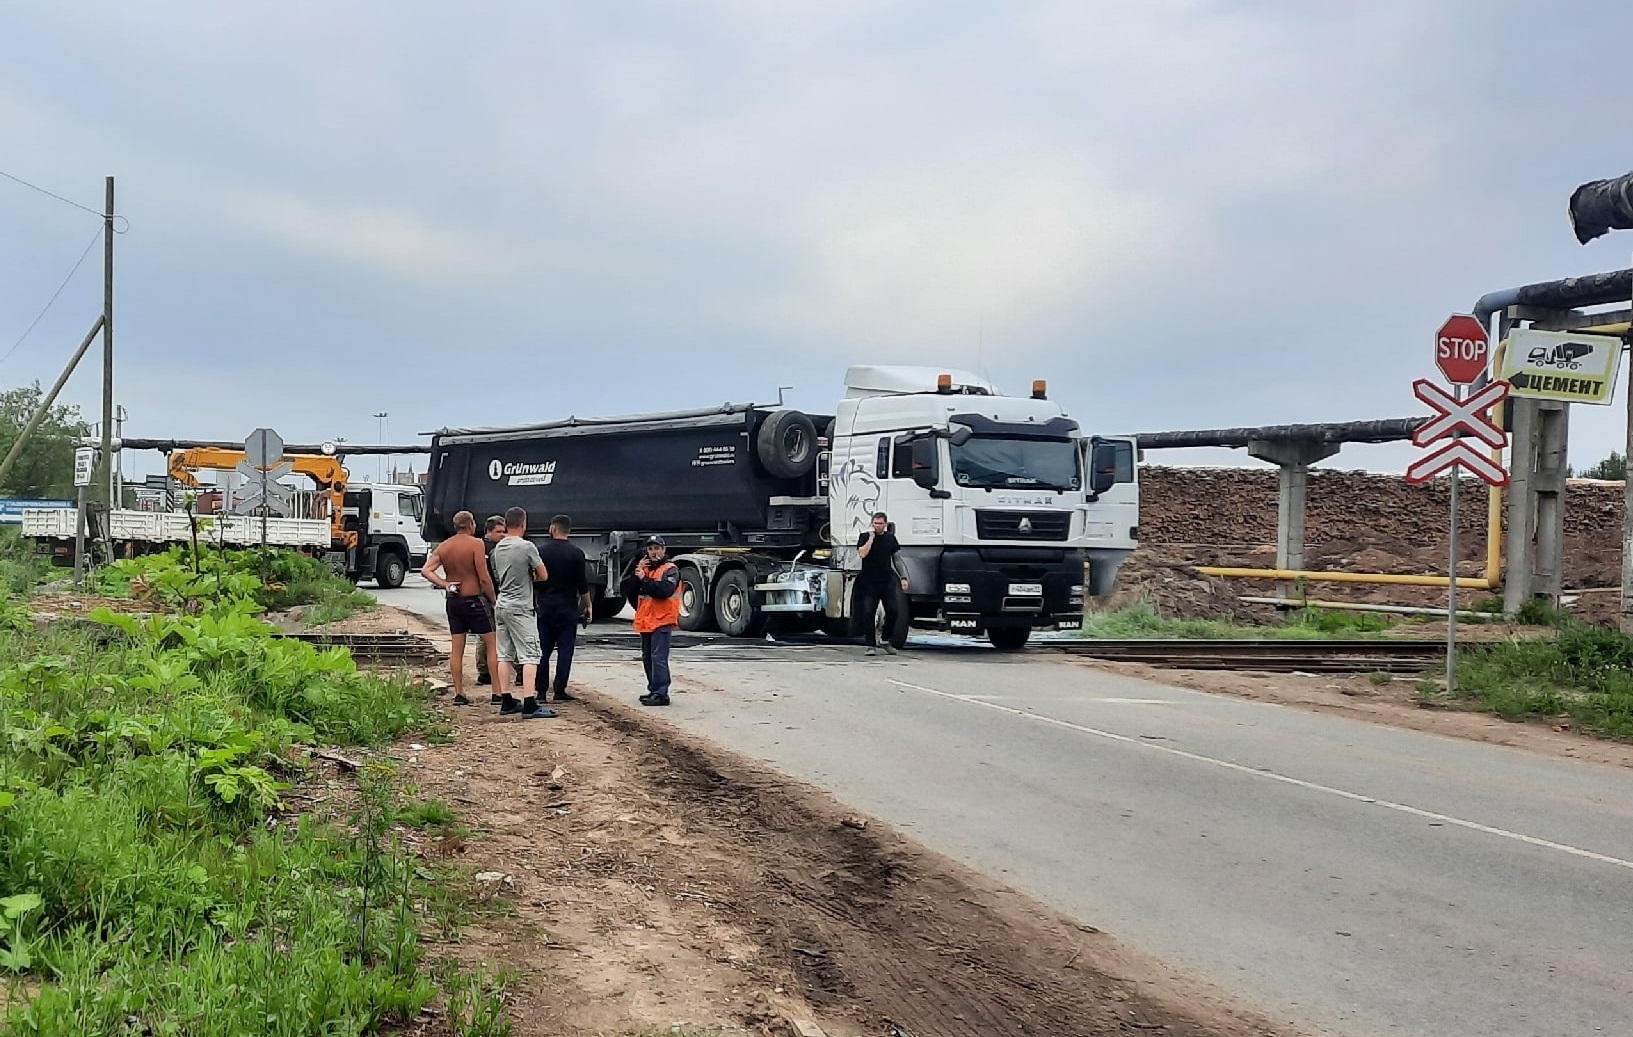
x=1022, y=525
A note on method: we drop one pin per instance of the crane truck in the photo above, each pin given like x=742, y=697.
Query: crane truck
x=1006, y=511
x=364, y=531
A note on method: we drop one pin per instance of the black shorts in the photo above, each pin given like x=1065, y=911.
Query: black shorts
x=469, y=615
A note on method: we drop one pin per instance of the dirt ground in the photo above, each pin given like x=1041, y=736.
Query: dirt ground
x=660, y=885
x=1355, y=521
x=658, y=882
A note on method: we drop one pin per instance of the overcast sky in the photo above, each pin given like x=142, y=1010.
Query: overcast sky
x=1184, y=214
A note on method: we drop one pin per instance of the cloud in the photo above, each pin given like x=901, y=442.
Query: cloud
x=391, y=240
x=920, y=256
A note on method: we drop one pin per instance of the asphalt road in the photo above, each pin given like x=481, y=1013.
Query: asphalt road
x=1353, y=879
x=1350, y=878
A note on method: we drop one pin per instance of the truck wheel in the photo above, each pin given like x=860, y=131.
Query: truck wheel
x=390, y=570
x=1008, y=639
x=695, y=615
x=787, y=444
x=840, y=628
x=734, y=610
x=603, y=608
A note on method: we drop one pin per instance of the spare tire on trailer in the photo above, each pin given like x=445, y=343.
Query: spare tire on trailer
x=786, y=443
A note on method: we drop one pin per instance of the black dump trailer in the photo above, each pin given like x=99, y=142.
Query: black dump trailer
x=734, y=491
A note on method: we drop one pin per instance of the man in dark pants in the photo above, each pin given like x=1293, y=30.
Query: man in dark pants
x=652, y=588
x=881, y=570
x=563, y=602
x=494, y=533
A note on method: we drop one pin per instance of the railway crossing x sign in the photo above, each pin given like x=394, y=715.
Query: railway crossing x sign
x=1452, y=417
x=262, y=467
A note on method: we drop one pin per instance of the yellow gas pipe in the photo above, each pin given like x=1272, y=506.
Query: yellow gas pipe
x=1494, y=546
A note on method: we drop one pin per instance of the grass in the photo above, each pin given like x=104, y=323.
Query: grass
x=277, y=579
x=1142, y=621
x=20, y=568
x=431, y=813
x=1582, y=673
x=327, y=603
x=154, y=875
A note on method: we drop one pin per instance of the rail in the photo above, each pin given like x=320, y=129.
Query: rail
x=398, y=648
x=1265, y=654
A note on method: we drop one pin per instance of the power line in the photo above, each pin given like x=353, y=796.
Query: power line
x=50, y=194
x=92, y=244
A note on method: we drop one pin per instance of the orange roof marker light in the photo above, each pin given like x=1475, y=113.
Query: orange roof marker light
x=944, y=383
x=1040, y=389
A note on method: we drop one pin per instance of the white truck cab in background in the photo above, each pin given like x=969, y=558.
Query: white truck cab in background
x=1000, y=503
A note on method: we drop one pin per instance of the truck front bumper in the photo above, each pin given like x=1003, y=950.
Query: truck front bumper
x=990, y=587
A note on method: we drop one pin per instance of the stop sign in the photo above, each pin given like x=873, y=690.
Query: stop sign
x=1461, y=346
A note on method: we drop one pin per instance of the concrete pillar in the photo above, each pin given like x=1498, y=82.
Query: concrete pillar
x=1294, y=457
x=1519, y=552
x=1553, y=438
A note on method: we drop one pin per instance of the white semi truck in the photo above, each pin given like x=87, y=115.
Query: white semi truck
x=1007, y=513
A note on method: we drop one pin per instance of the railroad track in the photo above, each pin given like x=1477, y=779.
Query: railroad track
x=399, y=647
x=1266, y=654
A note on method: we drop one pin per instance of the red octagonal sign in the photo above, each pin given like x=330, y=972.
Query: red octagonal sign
x=1461, y=349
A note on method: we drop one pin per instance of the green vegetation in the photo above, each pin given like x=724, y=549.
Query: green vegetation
x=1612, y=468
x=21, y=568
x=275, y=579
x=45, y=468
x=1540, y=612
x=1582, y=672
x=153, y=877
x=1142, y=621
x=432, y=813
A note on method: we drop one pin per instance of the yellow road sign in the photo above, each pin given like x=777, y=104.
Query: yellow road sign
x=1561, y=365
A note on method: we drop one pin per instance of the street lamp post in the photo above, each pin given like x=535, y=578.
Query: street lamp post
x=382, y=416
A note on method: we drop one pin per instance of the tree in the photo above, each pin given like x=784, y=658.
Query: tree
x=46, y=467
x=1613, y=468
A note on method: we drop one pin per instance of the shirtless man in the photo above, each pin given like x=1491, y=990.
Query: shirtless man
x=459, y=566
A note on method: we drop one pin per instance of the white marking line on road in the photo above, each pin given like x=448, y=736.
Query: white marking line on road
x=1475, y=826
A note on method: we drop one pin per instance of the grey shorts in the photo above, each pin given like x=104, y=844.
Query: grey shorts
x=518, y=635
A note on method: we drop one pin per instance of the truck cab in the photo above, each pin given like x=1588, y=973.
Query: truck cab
x=997, y=501
x=387, y=519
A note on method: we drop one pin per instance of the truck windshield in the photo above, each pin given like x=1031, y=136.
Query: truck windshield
x=1001, y=461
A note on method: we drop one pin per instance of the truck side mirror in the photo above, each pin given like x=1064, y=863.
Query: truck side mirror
x=962, y=436
x=924, y=462
x=1102, y=467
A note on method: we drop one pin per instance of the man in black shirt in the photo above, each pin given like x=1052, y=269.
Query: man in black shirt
x=882, y=568
x=563, y=602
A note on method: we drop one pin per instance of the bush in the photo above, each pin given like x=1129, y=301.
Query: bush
x=276, y=579
x=1582, y=672
x=21, y=568
x=150, y=881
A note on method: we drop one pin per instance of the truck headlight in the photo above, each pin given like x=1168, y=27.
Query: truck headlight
x=1077, y=590
x=956, y=588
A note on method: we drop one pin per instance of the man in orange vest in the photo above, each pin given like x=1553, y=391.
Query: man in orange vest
x=657, y=613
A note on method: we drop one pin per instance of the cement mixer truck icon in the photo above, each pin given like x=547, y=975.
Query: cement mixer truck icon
x=1567, y=356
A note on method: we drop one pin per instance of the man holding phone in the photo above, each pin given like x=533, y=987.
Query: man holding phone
x=882, y=569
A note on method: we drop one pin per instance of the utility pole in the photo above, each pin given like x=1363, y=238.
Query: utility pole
x=102, y=482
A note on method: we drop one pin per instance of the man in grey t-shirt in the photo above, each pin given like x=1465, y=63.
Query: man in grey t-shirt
x=516, y=564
